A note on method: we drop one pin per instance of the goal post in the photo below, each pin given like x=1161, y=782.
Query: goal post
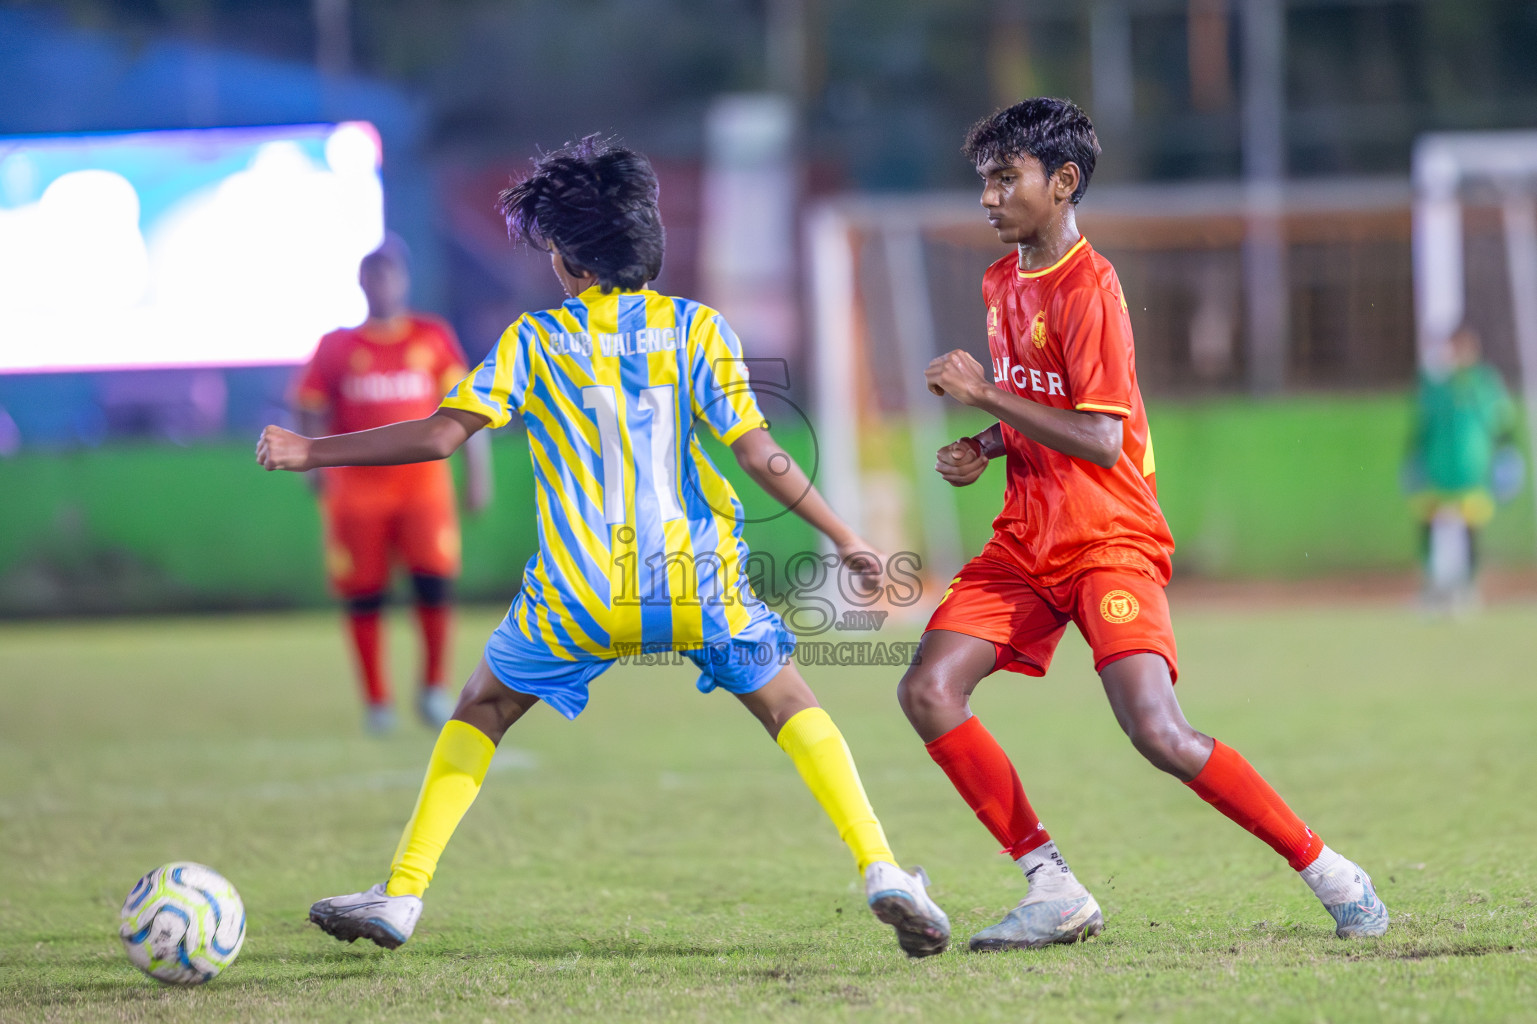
x=895, y=280
x=910, y=507
x=1453, y=173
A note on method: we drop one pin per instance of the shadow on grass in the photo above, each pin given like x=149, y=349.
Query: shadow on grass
x=1430, y=951
x=612, y=949
x=141, y=987
x=364, y=957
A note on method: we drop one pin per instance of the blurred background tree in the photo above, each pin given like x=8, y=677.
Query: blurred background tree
x=887, y=85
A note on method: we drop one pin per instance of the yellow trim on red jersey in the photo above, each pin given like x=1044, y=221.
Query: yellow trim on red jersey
x=389, y=332
x=1118, y=410
x=1023, y=273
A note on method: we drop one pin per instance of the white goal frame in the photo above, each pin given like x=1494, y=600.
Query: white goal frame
x=1446, y=164
x=832, y=229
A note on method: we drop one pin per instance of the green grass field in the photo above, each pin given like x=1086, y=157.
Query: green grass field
x=659, y=859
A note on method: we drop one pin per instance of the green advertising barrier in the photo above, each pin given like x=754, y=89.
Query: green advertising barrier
x=1300, y=486
x=1294, y=487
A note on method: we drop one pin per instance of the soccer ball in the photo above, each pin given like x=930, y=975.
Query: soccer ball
x=183, y=923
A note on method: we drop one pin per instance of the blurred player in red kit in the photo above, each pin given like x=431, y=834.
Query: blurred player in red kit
x=1080, y=539
x=396, y=365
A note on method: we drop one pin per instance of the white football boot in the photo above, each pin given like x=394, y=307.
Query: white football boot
x=379, y=720
x=1348, y=895
x=1043, y=920
x=902, y=901
x=1363, y=918
x=1057, y=908
x=434, y=706
x=372, y=914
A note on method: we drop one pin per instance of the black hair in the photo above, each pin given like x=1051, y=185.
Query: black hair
x=392, y=250
x=596, y=203
x=1051, y=130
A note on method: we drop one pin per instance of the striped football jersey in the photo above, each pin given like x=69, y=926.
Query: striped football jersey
x=640, y=536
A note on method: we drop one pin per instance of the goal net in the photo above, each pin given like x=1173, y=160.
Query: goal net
x=1475, y=248
x=897, y=280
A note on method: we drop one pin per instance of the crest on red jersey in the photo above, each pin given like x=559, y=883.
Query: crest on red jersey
x=1038, y=329
x=419, y=357
x=992, y=319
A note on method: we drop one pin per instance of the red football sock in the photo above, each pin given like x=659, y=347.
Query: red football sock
x=1232, y=786
x=434, y=622
x=364, y=627
x=985, y=777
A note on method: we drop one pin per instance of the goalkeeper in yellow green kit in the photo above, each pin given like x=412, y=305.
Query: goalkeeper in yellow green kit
x=1462, y=458
x=610, y=386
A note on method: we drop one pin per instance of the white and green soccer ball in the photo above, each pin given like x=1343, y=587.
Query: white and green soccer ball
x=183, y=923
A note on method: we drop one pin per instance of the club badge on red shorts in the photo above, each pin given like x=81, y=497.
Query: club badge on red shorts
x=1118, y=607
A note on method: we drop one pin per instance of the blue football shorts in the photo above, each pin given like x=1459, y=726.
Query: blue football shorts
x=741, y=664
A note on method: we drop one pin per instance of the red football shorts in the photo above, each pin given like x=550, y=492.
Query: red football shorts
x=1118, y=611
x=370, y=528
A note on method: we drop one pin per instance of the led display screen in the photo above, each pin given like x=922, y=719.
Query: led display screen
x=207, y=247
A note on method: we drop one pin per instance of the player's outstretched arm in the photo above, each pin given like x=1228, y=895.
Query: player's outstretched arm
x=312, y=423
x=436, y=437
x=479, y=483
x=774, y=470
x=1092, y=436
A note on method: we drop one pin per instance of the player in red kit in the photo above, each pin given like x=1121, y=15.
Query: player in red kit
x=1081, y=539
x=396, y=366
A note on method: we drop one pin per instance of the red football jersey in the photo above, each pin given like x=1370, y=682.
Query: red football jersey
x=368, y=376
x=1062, y=337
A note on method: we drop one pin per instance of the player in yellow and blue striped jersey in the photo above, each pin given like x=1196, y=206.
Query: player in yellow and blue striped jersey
x=640, y=536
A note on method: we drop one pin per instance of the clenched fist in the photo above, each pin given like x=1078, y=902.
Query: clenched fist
x=283, y=449
x=961, y=462
x=860, y=556
x=959, y=375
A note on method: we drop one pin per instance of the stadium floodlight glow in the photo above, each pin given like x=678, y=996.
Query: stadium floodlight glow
x=201, y=247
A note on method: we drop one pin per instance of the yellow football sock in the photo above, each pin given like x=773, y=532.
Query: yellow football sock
x=823, y=759
x=454, y=774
